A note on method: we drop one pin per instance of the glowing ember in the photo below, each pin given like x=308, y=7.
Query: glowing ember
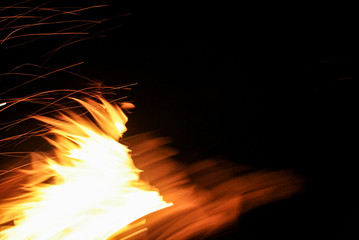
x=89, y=188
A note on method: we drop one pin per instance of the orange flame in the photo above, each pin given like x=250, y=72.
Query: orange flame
x=89, y=188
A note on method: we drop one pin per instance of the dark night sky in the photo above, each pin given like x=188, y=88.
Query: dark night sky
x=267, y=86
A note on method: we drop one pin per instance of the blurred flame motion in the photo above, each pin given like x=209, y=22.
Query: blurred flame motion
x=88, y=189
x=90, y=186
x=208, y=195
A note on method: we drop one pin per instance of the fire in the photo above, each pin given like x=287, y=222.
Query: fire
x=88, y=187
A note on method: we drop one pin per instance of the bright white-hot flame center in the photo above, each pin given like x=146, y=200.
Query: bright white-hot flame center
x=97, y=190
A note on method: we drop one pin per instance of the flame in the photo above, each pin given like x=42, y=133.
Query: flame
x=88, y=187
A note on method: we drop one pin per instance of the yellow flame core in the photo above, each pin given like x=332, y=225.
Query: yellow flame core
x=96, y=190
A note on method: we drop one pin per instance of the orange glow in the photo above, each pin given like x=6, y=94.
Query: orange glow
x=87, y=188
x=208, y=195
x=90, y=186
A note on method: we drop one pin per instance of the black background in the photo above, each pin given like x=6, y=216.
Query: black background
x=265, y=85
